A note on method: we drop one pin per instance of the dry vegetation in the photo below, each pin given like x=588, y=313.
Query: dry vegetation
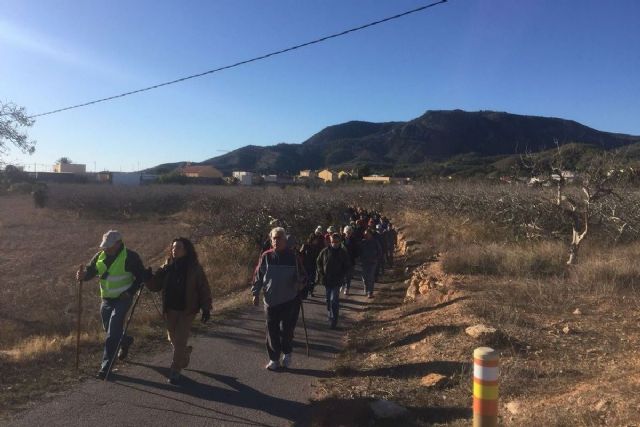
x=485, y=254
x=567, y=335
x=42, y=248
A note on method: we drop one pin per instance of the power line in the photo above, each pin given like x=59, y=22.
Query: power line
x=257, y=58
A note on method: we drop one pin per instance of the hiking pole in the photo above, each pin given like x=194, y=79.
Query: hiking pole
x=124, y=332
x=304, y=325
x=79, y=321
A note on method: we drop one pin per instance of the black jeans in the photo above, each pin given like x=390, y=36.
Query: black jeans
x=281, y=322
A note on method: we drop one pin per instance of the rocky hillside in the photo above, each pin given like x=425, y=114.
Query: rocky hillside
x=415, y=146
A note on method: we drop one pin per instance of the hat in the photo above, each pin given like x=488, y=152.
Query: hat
x=347, y=229
x=319, y=229
x=379, y=227
x=110, y=238
x=331, y=229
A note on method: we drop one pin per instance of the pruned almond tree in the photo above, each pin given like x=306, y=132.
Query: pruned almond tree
x=592, y=196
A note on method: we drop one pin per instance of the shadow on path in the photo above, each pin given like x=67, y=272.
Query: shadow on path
x=241, y=394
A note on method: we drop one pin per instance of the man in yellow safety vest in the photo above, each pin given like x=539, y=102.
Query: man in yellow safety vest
x=120, y=272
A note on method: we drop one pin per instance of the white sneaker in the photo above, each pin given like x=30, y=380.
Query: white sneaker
x=286, y=360
x=273, y=365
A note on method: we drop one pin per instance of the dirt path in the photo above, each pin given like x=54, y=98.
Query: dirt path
x=226, y=383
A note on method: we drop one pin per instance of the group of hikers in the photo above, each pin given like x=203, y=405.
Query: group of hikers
x=285, y=274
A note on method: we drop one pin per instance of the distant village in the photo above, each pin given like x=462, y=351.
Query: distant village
x=64, y=172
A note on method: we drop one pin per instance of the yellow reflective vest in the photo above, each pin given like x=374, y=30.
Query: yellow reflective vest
x=117, y=280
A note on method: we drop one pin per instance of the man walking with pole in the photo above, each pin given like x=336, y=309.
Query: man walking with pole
x=120, y=273
x=279, y=275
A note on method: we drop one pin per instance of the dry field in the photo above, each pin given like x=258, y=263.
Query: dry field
x=42, y=248
x=567, y=336
x=483, y=254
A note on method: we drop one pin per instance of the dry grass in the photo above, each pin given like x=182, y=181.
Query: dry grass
x=537, y=259
x=42, y=249
x=230, y=262
x=567, y=336
x=520, y=286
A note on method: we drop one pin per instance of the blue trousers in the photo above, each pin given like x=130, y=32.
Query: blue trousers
x=333, y=304
x=113, y=312
x=348, y=277
x=369, y=276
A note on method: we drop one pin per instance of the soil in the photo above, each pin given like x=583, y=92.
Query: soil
x=573, y=367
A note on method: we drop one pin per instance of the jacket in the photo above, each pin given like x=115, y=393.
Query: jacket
x=351, y=245
x=280, y=275
x=370, y=251
x=333, y=265
x=197, y=292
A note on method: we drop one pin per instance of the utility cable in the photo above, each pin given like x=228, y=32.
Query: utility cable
x=257, y=58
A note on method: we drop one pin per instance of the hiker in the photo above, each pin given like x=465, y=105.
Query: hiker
x=121, y=273
x=377, y=234
x=185, y=292
x=327, y=236
x=282, y=279
x=391, y=236
x=369, y=252
x=310, y=251
x=333, y=264
x=358, y=230
x=351, y=245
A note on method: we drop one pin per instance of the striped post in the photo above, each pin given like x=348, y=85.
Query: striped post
x=485, y=387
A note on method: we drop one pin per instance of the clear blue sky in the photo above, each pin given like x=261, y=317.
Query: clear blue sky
x=578, y=60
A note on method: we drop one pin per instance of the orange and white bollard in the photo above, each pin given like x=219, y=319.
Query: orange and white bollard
x=485, y=387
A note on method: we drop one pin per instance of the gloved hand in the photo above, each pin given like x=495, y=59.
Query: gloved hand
x=254, y=300
x=206, y=315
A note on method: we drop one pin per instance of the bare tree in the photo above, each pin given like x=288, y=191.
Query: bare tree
x=13, y=123
x=593, y=198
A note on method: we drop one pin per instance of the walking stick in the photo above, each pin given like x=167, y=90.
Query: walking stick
x=304, y=325
x=124, y=332
x=79, y=322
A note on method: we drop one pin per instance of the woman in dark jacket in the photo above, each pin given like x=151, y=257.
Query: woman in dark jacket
x=310, y=251
x=185, y=291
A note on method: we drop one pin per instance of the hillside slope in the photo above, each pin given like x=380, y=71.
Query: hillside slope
x=436, y=136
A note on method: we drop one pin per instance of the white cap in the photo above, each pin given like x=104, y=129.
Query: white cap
x=110, y=238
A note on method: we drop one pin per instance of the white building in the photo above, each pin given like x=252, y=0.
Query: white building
x=69, y=168
x=244, y=178
x=126, y=178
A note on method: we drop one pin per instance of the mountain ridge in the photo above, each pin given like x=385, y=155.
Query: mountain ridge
x=435, y=136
